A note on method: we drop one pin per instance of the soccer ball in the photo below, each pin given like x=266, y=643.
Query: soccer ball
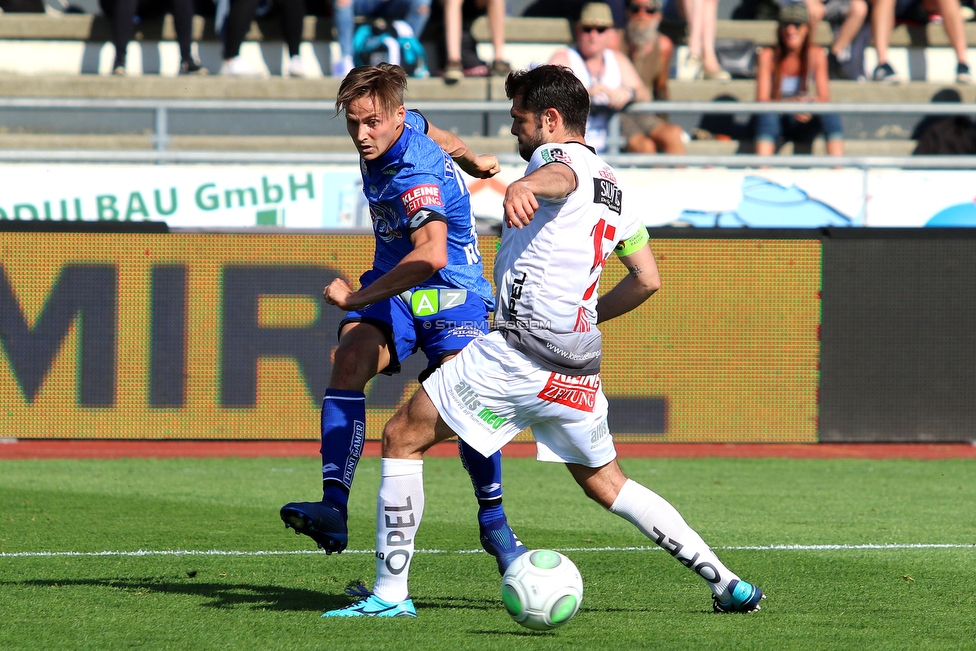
x=542, y=589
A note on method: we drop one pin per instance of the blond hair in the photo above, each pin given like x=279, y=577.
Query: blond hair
x=385, y=83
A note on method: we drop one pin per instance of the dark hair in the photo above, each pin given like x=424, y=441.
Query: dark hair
x=551, y=87
x=385, y=82
x=779, y=52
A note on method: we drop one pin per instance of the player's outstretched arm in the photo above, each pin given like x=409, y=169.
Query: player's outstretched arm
x=429, y=256
x=483, y=166
x=633, y=289
x=553, y=181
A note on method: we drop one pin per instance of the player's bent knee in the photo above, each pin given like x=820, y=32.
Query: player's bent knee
x=602, y=485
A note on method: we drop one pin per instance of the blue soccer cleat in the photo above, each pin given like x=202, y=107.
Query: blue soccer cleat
x=500, y=541
x=373, y=606
x=323, y=522
x=745, y=598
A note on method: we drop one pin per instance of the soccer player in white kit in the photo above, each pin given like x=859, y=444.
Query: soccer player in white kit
x=540, y=366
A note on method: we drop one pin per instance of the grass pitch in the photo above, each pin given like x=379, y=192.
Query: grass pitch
x=853, y=554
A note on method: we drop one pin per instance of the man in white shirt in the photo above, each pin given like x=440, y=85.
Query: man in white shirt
x=613, y=82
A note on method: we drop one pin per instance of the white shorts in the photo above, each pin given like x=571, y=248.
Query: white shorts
x=490, y=392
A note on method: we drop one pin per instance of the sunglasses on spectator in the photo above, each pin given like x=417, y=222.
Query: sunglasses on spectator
x=793, y=23
x=645, y=9
x=599, y=30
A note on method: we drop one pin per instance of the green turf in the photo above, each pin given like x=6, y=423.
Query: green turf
x=846, y=599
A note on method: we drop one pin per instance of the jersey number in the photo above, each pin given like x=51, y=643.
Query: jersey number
x=601, y=231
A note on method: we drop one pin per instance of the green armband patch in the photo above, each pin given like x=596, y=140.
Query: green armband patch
x=632, y=243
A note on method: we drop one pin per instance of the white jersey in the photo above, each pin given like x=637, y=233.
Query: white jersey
x=548, y=273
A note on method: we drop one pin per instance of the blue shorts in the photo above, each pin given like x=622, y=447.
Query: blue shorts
x=771, y=127
x=438, y=320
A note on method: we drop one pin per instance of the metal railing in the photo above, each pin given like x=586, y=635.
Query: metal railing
x=162, y=110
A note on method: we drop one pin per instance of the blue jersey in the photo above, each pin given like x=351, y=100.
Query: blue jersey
x=411, y=185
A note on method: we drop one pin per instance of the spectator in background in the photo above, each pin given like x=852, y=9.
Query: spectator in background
x=651, y=53
x=702, y=19
x=846, y=56
x=238, y=22
x=608, y=75
x=884, y=13
x=794, y=70
x=570, y=10
x=124, y=15
x=458, y=16
x=945, y=134
x=413, y=12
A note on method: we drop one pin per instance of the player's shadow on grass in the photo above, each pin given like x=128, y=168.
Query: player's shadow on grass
x=215, y=595
x=231, y=595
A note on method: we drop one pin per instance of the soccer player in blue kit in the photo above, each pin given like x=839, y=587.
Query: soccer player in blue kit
x=426, y=290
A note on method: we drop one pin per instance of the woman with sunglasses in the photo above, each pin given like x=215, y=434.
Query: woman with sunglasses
x=795, y=70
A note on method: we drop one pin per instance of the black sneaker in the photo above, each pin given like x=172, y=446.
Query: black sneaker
x=834, y=68
x=962, y=74
x=192, y=68
x=886, y=74
x=323, y=522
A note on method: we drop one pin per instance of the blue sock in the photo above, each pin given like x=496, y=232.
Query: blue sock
x=486, y=477
x=343, y=436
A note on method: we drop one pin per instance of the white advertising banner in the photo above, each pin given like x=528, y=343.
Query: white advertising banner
x=184, y=195
x=898, y=198
x=330, y=196
x=722, y=197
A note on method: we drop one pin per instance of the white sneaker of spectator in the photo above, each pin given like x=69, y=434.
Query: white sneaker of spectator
x=295, y=67
x=342, y=66
x=240, y=67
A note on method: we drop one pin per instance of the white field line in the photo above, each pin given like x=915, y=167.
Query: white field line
x=221, y=552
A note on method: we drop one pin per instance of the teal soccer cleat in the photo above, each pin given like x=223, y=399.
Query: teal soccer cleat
x=745, y=599
x=373, y=606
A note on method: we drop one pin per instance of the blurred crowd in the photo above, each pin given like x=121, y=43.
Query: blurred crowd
x=444, y=27
x=624, y=51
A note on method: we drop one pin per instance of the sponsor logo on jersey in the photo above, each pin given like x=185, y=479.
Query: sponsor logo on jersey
x=518, y=284
x=421, y=196
x=469, y=399
x=576, y=392
x=449, y=170
x=606, y=192
x=556, y=155
x=422, y=217
x=597, y=436
x=491, y=418
x=607, y=173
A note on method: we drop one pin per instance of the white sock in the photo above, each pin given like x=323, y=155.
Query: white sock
x=662, y=523
x=399, y=508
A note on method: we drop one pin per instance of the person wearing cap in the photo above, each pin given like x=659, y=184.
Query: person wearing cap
x=608, y=75
x=794, y=70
